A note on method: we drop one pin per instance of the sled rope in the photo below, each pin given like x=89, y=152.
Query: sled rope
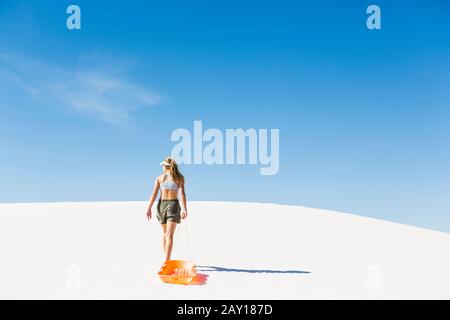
x=187, y=240
x=186, y=231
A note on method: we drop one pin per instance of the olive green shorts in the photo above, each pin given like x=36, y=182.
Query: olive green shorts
x=169, y=210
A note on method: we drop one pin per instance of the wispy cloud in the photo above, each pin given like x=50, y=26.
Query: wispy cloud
x=93, y=92
x=21, y=152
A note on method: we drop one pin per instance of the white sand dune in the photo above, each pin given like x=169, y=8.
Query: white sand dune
x=249, y=251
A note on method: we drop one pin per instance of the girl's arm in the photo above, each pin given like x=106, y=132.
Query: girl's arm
x=153, y=198
x=183, y=201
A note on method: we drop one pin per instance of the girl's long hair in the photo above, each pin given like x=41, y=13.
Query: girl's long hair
x=175, y=173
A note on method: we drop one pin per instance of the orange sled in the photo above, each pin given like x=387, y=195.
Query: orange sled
x=177, y=272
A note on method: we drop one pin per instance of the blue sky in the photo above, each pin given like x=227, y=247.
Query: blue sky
x=363, y=115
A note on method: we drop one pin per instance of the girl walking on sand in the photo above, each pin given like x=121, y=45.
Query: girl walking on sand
x=170, y=213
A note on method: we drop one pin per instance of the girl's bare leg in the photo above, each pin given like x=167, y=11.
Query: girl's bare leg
x=170, y=231
x=164, y=226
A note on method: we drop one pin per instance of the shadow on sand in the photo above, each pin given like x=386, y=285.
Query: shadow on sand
x=202, y=278
x=221, y=269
